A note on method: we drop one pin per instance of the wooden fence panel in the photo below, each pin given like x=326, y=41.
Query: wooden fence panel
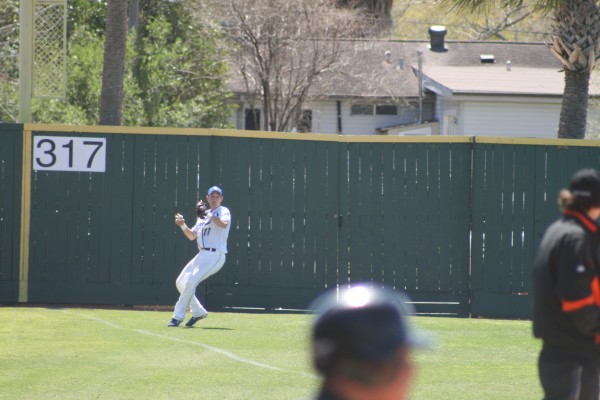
x=316, y=189
x=344, y=214
x=514, y=200
x=359, y=214
x=397, y=230
x=398, y=213
x=458, y=234
x=236, y=196
x=378, y=199
x=500, y=196
x=413, y=215
x=284, y=186
x=11, y=160
x=330, y=156
x=299, y=215
x=435, y=187
x=392, y=194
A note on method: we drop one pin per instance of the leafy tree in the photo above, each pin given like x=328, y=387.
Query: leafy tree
x=9, y=36
x=9, y=61
x=9, y=101
x=165, y=105
x=575, y=42
x=84, y=71
x=181, y=78
x=87, y=15
x=167, y=52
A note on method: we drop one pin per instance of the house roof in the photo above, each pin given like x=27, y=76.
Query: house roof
x=494, y=79
x=463, y=67
x=468, y=53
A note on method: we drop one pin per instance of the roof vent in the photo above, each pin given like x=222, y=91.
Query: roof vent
x=388, y=56
x=436, y=38
x=487, y=58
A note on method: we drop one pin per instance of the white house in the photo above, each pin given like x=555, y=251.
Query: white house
x=469, y=88
x=496, y=100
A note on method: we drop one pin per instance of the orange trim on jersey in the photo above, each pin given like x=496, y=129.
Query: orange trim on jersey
x=591, y=226
x=596, y=290
x=591, y=300
x=570, y=306
x=596, y=294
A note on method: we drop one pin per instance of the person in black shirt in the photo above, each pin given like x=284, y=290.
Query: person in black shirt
x=566, y=289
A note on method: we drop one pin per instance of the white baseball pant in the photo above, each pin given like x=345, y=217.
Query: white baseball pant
x=205, y=264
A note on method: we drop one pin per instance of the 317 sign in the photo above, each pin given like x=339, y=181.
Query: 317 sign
x=57, y=153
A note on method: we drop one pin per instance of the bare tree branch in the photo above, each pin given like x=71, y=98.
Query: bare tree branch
x=509, y=18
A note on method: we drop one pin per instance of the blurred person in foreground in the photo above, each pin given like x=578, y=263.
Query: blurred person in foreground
x=566, y=288
x=362, y=344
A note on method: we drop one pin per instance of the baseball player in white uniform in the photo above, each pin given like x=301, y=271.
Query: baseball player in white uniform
x=211, y=232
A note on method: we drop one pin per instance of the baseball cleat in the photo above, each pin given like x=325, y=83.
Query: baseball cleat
x=193, y=320
x=174, y=322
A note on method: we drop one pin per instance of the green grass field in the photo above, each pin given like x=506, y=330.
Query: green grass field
x=75, y=353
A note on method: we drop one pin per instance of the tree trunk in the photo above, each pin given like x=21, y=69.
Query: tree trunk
x=134, y=14
x=573, y=114
x=111, y=98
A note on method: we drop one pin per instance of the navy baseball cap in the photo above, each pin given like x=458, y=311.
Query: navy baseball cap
x=586, y=183
x=361, y=323
x=215, y=189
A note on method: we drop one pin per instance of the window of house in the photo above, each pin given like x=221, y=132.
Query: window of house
x=361, y=109
x=305, y=121
x=386, y=109
x=252, y=119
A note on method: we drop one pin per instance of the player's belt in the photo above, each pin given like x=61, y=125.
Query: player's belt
x=209, y=249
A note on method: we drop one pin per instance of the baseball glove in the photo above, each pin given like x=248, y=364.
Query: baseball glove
x=201, y=209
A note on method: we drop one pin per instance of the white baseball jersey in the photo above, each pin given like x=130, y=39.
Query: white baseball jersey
x=210, y=235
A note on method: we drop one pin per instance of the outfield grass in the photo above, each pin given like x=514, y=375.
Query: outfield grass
x=75, y=353
x=478, y=359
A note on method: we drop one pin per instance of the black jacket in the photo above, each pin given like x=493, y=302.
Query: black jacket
x=325, y=394
x=566, y=285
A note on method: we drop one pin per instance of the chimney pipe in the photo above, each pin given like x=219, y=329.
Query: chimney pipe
x=436, y=38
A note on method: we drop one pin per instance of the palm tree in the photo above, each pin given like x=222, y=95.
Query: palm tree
x=575, y=41
x=379, y=10
x=111, y=96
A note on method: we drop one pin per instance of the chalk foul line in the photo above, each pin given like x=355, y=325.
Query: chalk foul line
x=217, y=350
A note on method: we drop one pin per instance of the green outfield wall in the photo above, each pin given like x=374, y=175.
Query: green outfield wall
x=11, y=160
x=86, y=215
